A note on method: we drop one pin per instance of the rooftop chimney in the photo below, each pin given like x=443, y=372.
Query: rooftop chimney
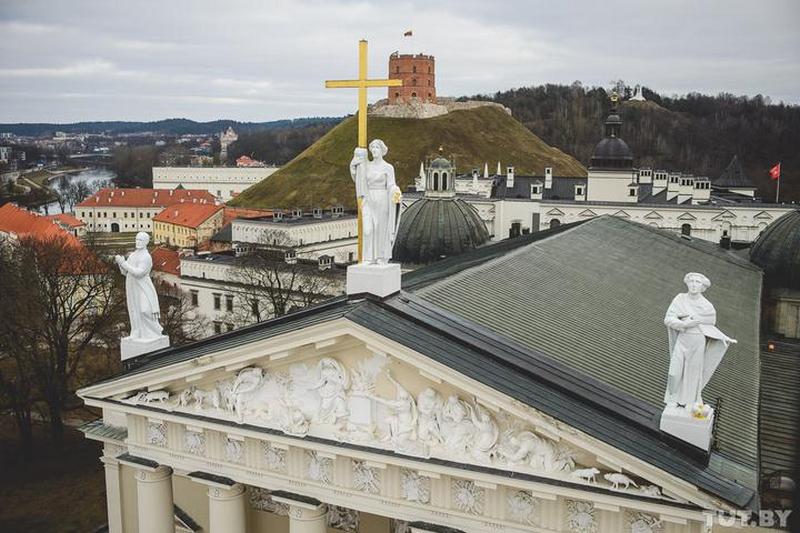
x=510, y=178
x=548, y=177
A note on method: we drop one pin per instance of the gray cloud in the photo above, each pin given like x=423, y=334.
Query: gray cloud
x=264, y=60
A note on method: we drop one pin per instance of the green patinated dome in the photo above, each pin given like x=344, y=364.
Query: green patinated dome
x=777, y=251
x=440, y=162
x=434, y=228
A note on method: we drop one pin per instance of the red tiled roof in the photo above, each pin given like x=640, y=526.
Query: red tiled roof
x=66, y=219
x=187, y=215
x=166, y=260
x=243, y=212
x=145, y=197
x=23, y=223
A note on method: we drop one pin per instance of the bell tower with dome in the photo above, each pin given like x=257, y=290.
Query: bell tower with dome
x=611, y=176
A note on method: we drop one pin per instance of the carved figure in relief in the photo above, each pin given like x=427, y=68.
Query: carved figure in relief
x=651, y=491
x=619, y=479
x=233, y=450
x=429, y=407
x=159, y=396
x=201, y=396
x=486, y=433
x=586, y=474
x=644, y=523
x=332, y=389
x=522, y=507
x=403, y=421
x=581, y=517
x=542, y=454
x=456, y=426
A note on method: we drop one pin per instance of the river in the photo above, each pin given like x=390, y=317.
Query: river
x=93, y=177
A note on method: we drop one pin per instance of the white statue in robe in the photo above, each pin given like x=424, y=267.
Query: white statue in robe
x=696, y=346
x=140, y=293
x=380, y=196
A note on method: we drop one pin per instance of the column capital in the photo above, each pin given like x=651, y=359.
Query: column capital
x=148, y=475
x=301, y=508
x=230, y=493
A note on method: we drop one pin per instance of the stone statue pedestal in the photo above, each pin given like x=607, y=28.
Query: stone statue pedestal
x=380, y=280
x=680, y=423
x=132, y=347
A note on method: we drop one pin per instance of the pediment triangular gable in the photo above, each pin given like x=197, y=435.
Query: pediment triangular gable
x=621, y=214
x=653, y=215
x=587, y=213
x=725, y=215
x=555, y=212
x=687, y=216
x=342, y=383
x=762, y=215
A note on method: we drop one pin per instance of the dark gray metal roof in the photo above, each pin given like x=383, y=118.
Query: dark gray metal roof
x=780, y=397
x=432, y=228
x=612, y=149
x=561, y=189
x=777, y=251
x=594, y=298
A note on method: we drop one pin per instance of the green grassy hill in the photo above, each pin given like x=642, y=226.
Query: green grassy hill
x=319, y=176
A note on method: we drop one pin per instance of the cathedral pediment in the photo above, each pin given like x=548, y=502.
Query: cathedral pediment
x=687, y=216
x=347, y=389
x=653, y=215
x=587, y=213
x=762, y=215
x=621, y=214
x=555, y=212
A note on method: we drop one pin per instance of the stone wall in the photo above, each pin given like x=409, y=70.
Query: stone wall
x=418, y=109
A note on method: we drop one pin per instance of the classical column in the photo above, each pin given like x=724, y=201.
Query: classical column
x=154, y=489
x=306, y=515
x=113, y=494
x=226, y=509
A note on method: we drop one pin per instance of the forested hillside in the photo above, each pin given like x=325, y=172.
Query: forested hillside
x=693, y=133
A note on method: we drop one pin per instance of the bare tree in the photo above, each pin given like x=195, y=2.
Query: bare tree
x=60, y=301
x=181, y=324
x=273, y=281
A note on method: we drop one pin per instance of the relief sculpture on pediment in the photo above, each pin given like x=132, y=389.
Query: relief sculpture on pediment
x=360, y=400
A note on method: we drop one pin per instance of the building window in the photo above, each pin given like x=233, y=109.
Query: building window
x=195, y=298
x=217, y=301
x=414, y=69
x=686, y=229
x=555, y=223
x=579, y=191
x=217, y=327
x=413, y=95
x=632, y=192
x=229, y=303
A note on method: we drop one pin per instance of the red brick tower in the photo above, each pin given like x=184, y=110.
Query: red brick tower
x=418, y=74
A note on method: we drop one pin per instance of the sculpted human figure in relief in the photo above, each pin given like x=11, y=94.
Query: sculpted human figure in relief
x=140, y=293
x=696, y=346
x=376, y=187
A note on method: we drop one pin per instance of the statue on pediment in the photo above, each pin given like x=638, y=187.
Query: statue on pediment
x=696, y=346
x=403, y=420
x=142, y=300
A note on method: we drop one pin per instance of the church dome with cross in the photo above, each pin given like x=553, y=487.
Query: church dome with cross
x=438, y=225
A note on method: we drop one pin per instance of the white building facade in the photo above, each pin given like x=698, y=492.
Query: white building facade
x=222, y=182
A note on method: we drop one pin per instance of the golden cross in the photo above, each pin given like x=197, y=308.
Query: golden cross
x=362, y=83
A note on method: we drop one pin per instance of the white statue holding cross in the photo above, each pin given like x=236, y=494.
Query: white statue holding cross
x=377, y=196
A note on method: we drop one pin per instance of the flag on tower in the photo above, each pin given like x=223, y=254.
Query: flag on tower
x=407, y=34
x=775, y=172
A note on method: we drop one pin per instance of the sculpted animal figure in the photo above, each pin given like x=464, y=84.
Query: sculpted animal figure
x=200, y=396
x=586, y=474
x=160, y=396
x=619, y=479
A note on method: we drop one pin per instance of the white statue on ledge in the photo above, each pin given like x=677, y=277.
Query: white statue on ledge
x=380, y=196
x=696, y=346
x=140, y=294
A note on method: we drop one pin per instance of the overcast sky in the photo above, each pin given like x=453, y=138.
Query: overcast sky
x=65, y=61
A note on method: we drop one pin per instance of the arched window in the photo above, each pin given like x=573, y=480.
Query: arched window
x=555, y=223
x=430, y=95
x=429, y=83
x=414, y=82
x=435, y=181
x=429, y=70
x=414, y=69
x=686, y=229
x=397, y=95
x=444, y=181
x=413, y=95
